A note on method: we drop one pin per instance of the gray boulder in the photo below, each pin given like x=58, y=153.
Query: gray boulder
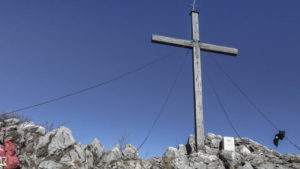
x=182, y=149
x=191, y=145
x=130, y=153
x=112, y=155
x=89, y=158
x=76, y=154
x=60, y=141
x=55, y=142
x=174, y=159
x=96, y=148
x=230, y=159
x=244, y=150
x=213, y=141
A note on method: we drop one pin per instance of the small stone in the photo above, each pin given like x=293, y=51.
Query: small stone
x=247, y=165
x=244, y=150
x=210, y=136
x=211, y=151
x=215, y=143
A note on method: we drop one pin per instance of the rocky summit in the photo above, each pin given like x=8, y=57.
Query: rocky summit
x=57, y=149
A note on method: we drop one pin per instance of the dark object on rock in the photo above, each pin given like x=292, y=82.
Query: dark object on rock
x=279, y=136
x=2, y=136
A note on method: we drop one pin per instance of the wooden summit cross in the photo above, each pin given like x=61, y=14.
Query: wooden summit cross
x=196, y=45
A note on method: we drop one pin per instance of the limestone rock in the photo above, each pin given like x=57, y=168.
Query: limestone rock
x=96, y=148
x=213, y=141
x=112, y=155
x=293, y=158
x=60, y=141
x=254, y=159
x=244, y=150
x=231, y=159
x=30, y=127
x=247, y=165
x=129, y=153
x=12, y=121
x=75, y=154
x=182, y=149
x=57, y=149
x=201, y=157
x=55, y=142
x=50, y=165
x=89, y=158
x=44, y=140
x=11, y=128
x=198, y=160
x=155, y=163
x=215, y=166
x=191, y=145
x=174, y=159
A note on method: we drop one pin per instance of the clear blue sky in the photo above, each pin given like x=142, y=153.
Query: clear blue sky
x=53, y=47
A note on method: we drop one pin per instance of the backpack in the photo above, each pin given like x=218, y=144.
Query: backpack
x=8, y=156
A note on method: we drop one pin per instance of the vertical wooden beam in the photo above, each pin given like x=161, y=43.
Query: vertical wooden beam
x=198, y=104
x=195, y=26
x=197, y=46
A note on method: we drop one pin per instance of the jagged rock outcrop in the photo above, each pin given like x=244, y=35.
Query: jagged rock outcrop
x=57, y=149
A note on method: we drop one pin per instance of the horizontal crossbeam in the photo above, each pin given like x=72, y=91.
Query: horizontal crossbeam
x=172, y=41
x=218, y=49
x=190, y=44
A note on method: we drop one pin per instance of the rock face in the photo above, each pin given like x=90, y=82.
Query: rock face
x=57, y=149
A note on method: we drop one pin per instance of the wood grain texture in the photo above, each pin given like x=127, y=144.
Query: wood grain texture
x=218, y=49
x=197, y=46
x=198, y=103
x=172, y=41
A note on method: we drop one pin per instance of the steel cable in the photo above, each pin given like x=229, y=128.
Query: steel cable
x=251, y=101
x=91, y=87
x=220, y=102
x=164, y=103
